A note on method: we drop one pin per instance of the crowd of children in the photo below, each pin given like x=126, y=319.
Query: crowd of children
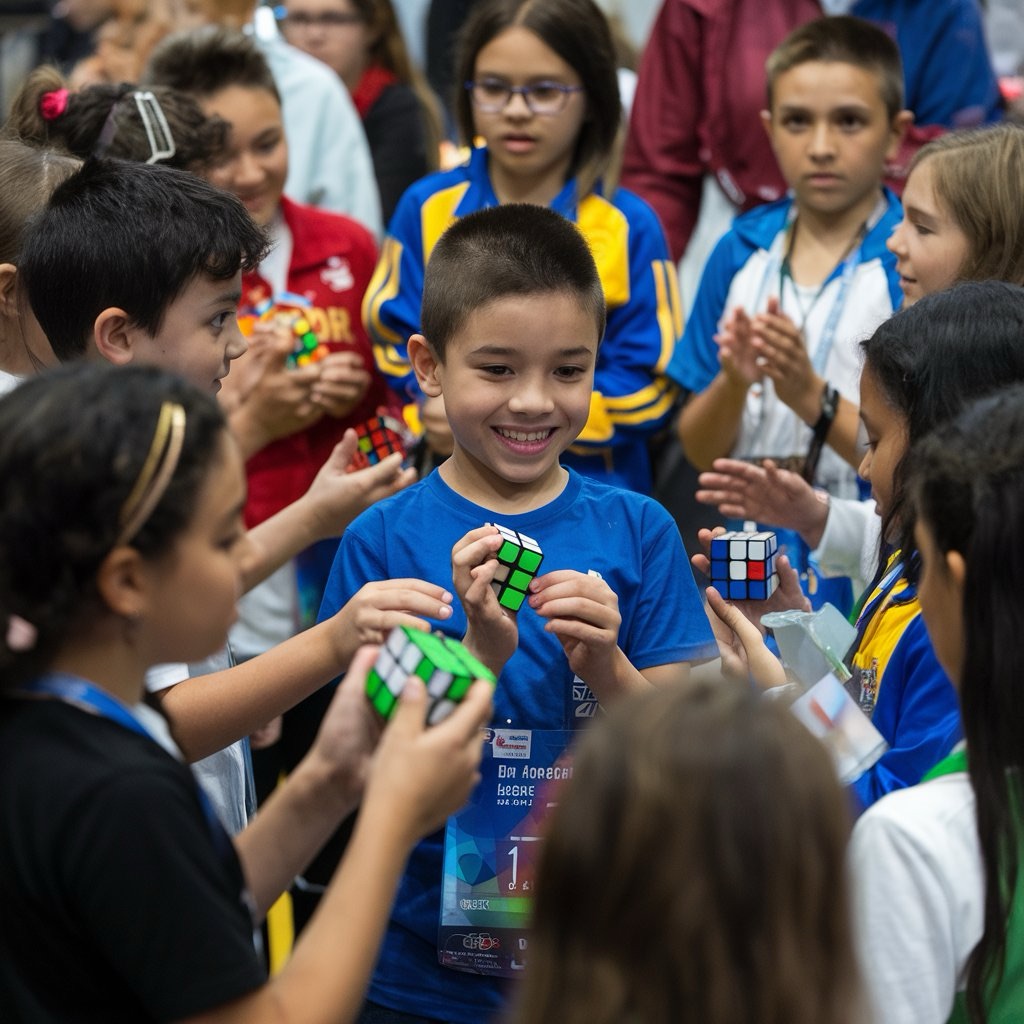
x=197, y=558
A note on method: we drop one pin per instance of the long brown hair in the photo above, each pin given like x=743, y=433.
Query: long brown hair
x=694, y=871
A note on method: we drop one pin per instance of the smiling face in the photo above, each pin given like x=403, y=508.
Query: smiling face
x=887, y=441
x=255, y=163
x=530, y=154
x=929, y=246
x=516, y=380
x=832, y=133
x=197, y=583
x=199, y=335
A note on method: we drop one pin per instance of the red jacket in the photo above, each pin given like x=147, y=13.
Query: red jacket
x=332, y=260
x=695, y=112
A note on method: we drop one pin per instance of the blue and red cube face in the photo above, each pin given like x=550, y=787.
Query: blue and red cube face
x=743, y=565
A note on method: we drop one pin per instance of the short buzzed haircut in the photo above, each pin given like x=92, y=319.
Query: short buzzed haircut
x=842, y=40
x=512, y=249
x=129, y=235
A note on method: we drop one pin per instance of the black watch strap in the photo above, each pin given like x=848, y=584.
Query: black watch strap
x=829, y=407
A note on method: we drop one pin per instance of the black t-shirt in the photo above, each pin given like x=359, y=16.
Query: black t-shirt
x=115, y=904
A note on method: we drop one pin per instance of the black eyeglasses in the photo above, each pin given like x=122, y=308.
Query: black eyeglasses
x=325, y=19
x=492, y=95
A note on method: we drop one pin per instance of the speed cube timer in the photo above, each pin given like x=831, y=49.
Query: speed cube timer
x=377, y=439
x=743, y=565
x=444, y=665
x=519, y=558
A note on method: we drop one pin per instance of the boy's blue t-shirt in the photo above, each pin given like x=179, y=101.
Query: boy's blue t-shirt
x=635, y=546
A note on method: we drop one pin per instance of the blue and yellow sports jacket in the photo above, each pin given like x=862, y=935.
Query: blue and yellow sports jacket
x=632, y=399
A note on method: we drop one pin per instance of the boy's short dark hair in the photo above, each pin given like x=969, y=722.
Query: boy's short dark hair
x=842, y=40
x=513, y=249
x=206, y=60
x=129, y=235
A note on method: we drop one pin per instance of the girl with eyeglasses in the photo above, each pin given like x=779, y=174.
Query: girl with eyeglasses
x=362, y=42
x=537, y=89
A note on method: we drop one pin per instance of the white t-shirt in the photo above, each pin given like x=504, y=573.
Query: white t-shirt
x=918, y=894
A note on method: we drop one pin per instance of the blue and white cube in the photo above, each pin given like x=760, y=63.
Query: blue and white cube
x=743, y=565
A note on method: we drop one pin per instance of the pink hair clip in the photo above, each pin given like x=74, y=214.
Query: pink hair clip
x=53, y=104
x=21, y=634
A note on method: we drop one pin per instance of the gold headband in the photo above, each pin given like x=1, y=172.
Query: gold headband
x=156, y=474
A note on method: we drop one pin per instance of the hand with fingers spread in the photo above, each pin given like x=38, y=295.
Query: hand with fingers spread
x=766, y=494
x=583, y=612
x=737, y=352
x=741, y=645
x=491, y=630
x=787, y=596
x=342, y=383
x=337, y=494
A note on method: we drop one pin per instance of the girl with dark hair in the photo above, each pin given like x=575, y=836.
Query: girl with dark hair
x=675, y=882
x=937, y=868
x=537, y=83
x=362, y=42
x=154, y=125
x=920, y=368
x=122, y=545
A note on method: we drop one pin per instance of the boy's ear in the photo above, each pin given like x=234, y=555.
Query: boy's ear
x=766, y=122
x=113, y=335
x=898, y=128
x=425, y=364
x=8, y=283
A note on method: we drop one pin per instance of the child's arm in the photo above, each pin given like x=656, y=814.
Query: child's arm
x=416, y=778
x=492, y=634
x=710, y=421
x=333, y=500
x=632, y=395
x=782, y=355
x=212, y=711
x=391, y=305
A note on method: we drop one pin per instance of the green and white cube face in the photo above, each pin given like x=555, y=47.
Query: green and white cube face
x=444, y=665
x=519, y=558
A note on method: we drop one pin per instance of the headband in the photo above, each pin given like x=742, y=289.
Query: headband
x=156, y=474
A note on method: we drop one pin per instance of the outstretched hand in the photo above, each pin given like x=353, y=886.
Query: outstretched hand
x=741, y=645
x=338, y=494
x=766, y=494
x=787, y=596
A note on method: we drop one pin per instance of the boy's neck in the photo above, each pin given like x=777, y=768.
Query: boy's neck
x=821, y=240
x=481, y=486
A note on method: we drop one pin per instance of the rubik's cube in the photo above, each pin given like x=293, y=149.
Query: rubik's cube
x=307, y=346
x=743, y=565
x=377, y=439
x=444, y=665
x=519, y=558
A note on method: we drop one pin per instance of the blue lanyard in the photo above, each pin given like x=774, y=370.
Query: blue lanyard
x=87, y=697
x=774, y=271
